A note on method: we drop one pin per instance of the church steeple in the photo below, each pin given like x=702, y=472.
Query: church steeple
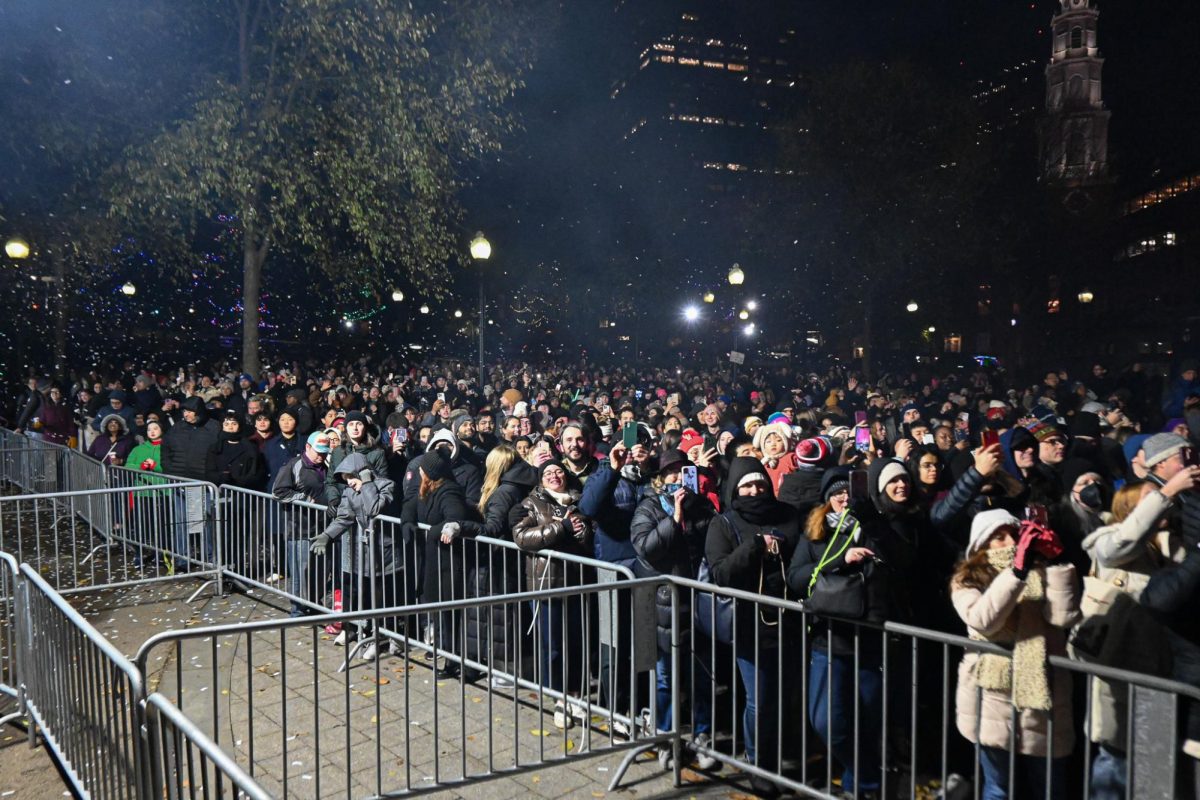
x=1075, y=129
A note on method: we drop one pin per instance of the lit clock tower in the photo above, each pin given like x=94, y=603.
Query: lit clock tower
x=1074, y=135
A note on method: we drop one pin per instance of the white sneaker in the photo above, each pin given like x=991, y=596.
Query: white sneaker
x=702, y=760
x=562, y=720
x=340, y=641
x=502, y=683
x=369, y=652
x=665, y=761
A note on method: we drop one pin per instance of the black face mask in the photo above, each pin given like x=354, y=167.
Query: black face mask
x=1093, y=496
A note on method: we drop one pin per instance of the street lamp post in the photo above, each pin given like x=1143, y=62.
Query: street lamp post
x=481, y=250
x=16, y=248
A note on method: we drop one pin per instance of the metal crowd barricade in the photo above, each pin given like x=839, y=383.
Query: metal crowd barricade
x=881, y=711
x=111, y=537
x=83, y=696
x=185, y=763
x=12, y=648
x=270, y=693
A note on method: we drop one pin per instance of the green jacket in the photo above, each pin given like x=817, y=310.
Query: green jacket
x=140, y=453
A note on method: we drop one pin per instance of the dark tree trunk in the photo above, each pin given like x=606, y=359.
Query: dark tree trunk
x=252, y=262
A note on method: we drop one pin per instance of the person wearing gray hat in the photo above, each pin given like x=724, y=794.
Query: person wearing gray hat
x=1160, y=447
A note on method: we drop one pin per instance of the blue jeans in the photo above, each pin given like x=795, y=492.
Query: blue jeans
x=758, y=681
x=1029, y=772
x=701, y=691
x=831, y=711
x=1108, y=775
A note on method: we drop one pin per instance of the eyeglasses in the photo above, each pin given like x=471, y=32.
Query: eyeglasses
x=930, y=465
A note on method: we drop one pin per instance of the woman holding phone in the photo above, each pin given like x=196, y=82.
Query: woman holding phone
x=668, y=531
x=844, y=663
x=549, y=519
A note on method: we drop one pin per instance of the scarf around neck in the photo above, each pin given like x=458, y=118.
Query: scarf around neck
x=1025, y=676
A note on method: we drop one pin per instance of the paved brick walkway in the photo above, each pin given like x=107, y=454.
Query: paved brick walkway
x=370, y=730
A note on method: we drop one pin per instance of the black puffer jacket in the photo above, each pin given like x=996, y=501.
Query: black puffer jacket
x=919, y=557
x=737, y=556
x=444, y=563
x=300, y=480
x=236, y=463
x=515, y=485
x=185, y=446
x=667, y=548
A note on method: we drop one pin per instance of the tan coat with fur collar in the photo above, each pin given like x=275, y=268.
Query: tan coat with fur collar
x=988, y=716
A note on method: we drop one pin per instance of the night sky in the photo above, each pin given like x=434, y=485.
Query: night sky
x=568, y=211
x=555, y=181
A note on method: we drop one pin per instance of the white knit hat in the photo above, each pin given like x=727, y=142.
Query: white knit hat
x=783, y=431
x=985, y=524
x=892, y=470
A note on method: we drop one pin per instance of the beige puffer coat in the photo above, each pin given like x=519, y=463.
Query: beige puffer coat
x=1125, y=555
x=986, y=614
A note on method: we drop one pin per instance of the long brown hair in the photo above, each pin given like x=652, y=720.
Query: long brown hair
x=1126, y=500
x=428, y=487
x=814, y=526
x=974, y=572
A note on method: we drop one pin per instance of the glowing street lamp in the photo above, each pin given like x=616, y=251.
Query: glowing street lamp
x=736, y=276
x=743, y=314
x=912, y=307
x=691, y=313
x=709, y=297
x=457, y=314
x=749, y=329
x=481, y=248
x=752, y=305
x=16, y=248
x=397, y=296
x=1086, y=296
x=424, y=309
x=129, y=290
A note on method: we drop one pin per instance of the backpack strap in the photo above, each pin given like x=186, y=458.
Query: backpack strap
x=737, y=534
x=826, y=558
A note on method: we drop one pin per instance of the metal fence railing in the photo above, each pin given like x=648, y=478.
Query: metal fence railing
x=82, y=694
x=833, y=708
x=11, y=651
x=104, y=538
x=824, y=707
x=185, y=763
x=270, y=693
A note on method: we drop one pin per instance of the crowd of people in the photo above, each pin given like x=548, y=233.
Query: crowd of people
x=1052, y=518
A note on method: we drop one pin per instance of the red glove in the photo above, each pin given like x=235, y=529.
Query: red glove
x=1021, y=561
x=149, y=464
x=1048, y=545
